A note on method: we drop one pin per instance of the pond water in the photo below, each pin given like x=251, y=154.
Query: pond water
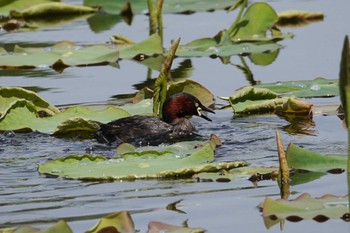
x=26, y=197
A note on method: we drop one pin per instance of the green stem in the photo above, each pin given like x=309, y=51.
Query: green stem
x=234, y=26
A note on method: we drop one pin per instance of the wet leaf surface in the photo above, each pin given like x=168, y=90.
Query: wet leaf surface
x=319, y=87
x=251, y=100
x=300, y=158
x=181, y=159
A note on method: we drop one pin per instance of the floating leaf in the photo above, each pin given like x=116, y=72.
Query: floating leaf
x=157, y=227
x=319, y=87
x=250, y=100
x=208, y=47
x=22, y=114
x=298, y=18
x=299, y=158
x=305, y=207
x=182, y=6
x=8, y=95
x=51, y=9
x=150, y=46
x=59, y=56
x=252, y=93
x=116, y=222
x=65, y=54
x=179, y=159
x=241, y=173
x=20, y=5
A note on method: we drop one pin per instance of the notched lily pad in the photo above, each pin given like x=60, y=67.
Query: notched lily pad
x=306, y=207
x=178, y=160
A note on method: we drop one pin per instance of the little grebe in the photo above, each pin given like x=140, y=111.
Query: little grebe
x=151, y=130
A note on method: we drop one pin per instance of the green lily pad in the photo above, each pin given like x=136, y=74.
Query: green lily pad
x=9, y=95
x=208, y=47
x=241, y=173
x=20, y=5
x=203, y=94
x=181, y=6
x=59, y=56
x=119, y=222
x=306, y=207
x=180, y=159
x=251, y=100
x=22, y=114
x=112, y=223
x=300, y=158
x=256, y=21
x=65, y=54
x=319, y=87
x=50, y=9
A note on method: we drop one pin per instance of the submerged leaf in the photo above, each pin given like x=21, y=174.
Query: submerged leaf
x=180, y=159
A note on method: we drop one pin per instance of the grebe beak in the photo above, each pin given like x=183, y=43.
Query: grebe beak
x=202, y=112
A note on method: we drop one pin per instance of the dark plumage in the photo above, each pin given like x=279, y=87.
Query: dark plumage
x=151, y=130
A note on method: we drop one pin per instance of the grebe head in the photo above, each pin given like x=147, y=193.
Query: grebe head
x=182, y=105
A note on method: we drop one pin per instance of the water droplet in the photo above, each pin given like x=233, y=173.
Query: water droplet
x=315, y=88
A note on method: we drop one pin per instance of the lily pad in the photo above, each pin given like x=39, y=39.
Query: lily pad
x=208, y=47
x=7, y=6
x=115, y=222
x=22, y=114
x=319, y=87
x=251, y=100
x=65, y=54
x=194, y=88
x=180, y=6
x=306, y=207
x=51, y=9
x=241, y=173
x=256, y=21
x=8, y=95
x=119, y=222
x=300, y=158
x=177, y=160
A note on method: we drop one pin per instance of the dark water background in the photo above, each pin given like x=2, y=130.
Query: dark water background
x=26, y=197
